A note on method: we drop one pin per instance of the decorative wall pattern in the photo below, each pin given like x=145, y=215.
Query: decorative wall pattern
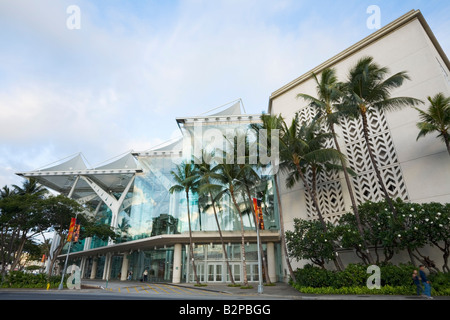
x=365, y=183
x=329, y=187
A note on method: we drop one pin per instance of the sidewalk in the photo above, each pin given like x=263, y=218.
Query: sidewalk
x=279, y=291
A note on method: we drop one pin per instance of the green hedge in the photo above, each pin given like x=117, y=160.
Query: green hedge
x=19, y=279
x=394, y=280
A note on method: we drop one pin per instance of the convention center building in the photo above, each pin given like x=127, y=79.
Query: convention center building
x=132, y=193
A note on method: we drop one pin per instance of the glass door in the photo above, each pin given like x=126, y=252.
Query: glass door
x=215, y=272
x=235, y=270
x=252, y=271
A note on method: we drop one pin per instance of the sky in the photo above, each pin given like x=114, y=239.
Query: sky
x=112, y=76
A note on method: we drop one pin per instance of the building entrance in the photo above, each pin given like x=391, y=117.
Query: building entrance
x=211, y=265
x=215, y=272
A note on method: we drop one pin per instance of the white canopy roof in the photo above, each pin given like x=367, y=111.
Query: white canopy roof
x=112, y=177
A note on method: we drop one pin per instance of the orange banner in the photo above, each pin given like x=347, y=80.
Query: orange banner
x=258, y=213
x=71, y=228
x=76, y=233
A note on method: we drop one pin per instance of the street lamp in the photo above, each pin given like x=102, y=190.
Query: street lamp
x=67, y=259
x=258, y=240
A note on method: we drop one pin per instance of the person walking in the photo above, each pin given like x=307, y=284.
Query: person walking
x=425, y=281
x=145, y=275
x=416, y=280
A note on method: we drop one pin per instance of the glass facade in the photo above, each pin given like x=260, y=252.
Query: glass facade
x=150, y=209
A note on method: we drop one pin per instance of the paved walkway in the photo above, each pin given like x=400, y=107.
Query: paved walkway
x=278, y=291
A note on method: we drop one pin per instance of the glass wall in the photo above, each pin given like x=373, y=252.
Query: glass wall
x=151, y=210
x=157, y=262
x=211, y=265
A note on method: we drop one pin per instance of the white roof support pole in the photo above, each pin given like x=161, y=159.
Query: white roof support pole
x=118, y=204
x=73, y=187
x=109, y=199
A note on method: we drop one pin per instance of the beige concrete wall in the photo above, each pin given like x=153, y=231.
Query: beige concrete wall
x=425, y=164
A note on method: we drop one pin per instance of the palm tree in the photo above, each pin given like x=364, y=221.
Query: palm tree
x=301, y=147
x=329, y=94
x=249, y=178
x=209, y=176
x=436, y=119
x=30, y=186
x=269, y=123
x=6, y=192
x=229, y=177
x=186, y=179
x=367, y=90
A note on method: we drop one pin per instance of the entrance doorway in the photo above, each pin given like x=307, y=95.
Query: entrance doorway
x=215, y=272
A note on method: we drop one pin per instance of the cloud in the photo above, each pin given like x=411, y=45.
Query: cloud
x=119, y=82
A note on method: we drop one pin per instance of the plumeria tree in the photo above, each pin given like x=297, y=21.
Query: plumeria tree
x=416, y=226
x=432, y=224
x=309, y=241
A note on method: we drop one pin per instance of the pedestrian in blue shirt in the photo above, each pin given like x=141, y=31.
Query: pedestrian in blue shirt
x=416, y=281
x=425, y=281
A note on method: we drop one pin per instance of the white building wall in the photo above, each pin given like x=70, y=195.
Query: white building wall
x=425, y=164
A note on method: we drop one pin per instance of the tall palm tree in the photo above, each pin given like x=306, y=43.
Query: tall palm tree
x=436, y=119
x=229, y=176
x=186, y=179
x=209, y=175
x=301, y=146
x=249, y=179
x=269, y=123
x=30, y=186
x=329, y=94
x=368, y=89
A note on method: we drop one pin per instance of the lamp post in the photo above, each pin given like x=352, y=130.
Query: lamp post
x=258, y=240
x=67, y=259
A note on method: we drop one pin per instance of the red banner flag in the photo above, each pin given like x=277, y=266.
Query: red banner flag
x=76, y=233
x=71, y=229
x=258, y=213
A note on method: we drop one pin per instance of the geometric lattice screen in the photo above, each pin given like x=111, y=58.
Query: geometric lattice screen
x=329, y=187
x=365, y=183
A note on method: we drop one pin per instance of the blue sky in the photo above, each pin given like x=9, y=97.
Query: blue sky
x=119, y=81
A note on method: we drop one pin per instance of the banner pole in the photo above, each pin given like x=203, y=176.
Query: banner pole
x=67, y=258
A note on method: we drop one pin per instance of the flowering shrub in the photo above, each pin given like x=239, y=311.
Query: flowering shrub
x=394, y=280
x=414, y=226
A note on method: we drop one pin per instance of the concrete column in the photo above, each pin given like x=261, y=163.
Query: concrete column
x=124, y=271
x=176, y=278
x=82, y=267
x=94, y=267
x=271, y=265
x=107, y=268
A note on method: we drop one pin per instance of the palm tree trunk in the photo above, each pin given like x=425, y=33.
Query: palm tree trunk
x=283, y=235
x=375, y=166
x=336, y=259
x=313, y=198
x=221, y=239
x=190, y=239
x=352, y=197
x=244, y=263
x=447, y=141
